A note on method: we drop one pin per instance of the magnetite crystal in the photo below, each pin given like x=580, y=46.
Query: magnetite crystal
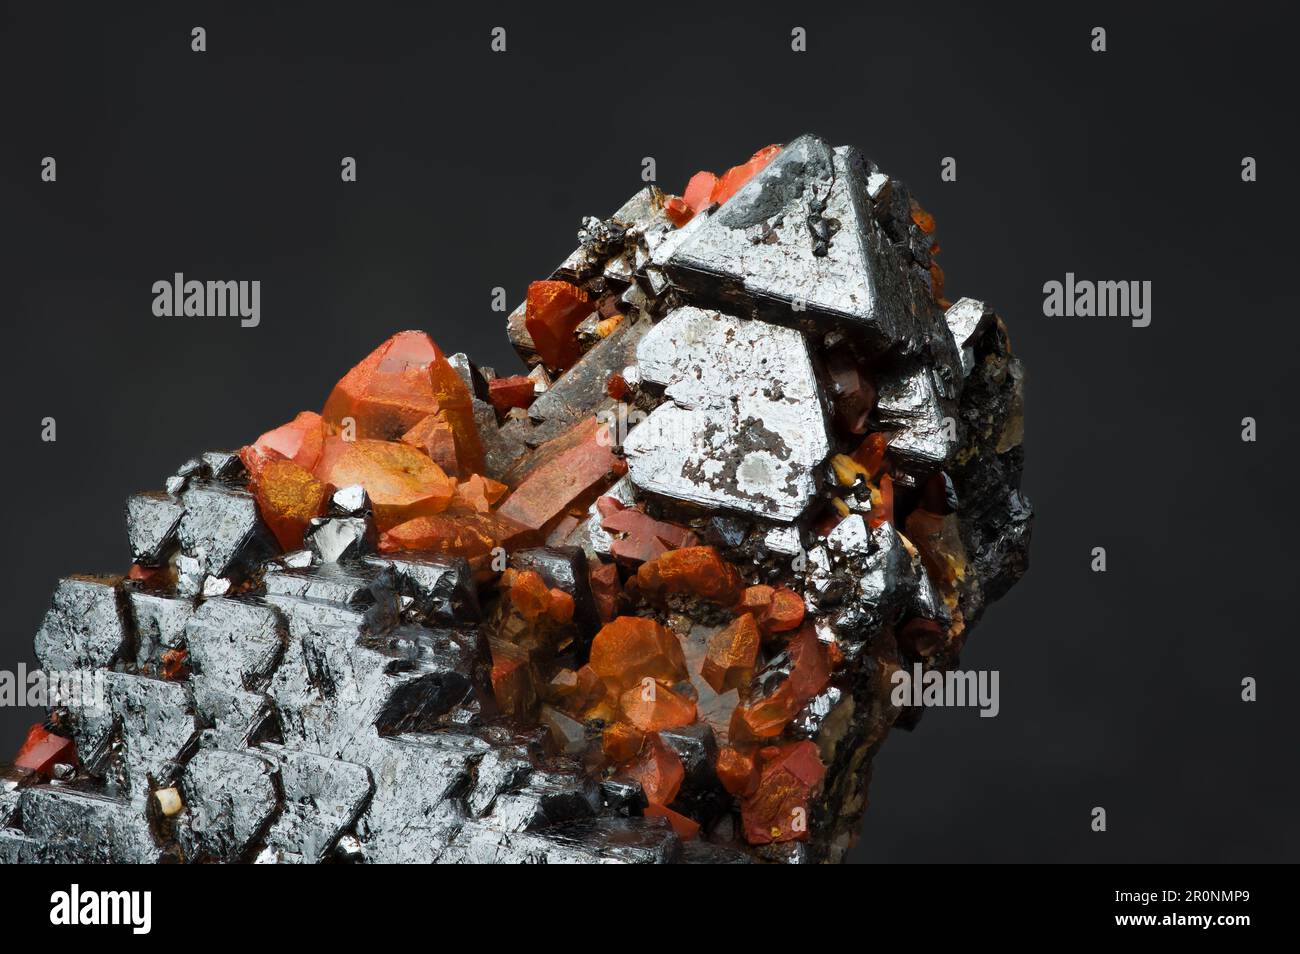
x=642, y=603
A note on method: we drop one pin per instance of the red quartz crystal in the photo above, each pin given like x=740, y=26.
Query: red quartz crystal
x=778, y=809
x=642, y=537
x=516, y=391
x=301, y=441
x=699, y=191
x=659, y=771
x=810, y=668
x=567, y=471
x=616, y=386
x=42, y=750
x=552, y=314
x=735, y=178
x=605, y=589
x=512, y=678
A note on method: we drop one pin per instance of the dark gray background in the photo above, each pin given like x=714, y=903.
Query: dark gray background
x=1118, y=689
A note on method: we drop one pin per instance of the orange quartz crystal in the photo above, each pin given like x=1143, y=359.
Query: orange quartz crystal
x=632, y=648
x=301, y=441
x=552, y=314
x=659, y=771
x=678, y=212
x=528, y=592
x=653, y=705
x=402, y=483
x=435, y=437
x=621, y=742
x=776, y=609
x=765, y=717
x=735, y=178
x=477, y=495
x=699, y=191
x=288, y=496
x=568, y=471
x=471, y=535
x=398, y=385
x=737, y=770
x=661, y=774
x=705, y=189
x=692, y=571
x=732, y=654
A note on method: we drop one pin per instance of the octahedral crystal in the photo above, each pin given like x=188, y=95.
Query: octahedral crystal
x=644, y=603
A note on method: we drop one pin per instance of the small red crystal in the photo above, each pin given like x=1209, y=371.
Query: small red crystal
x=42, y=750
x=552, y=314
x=516, y=391
x=778, y=809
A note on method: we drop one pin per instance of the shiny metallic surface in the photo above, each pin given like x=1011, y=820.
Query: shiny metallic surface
x=742, y=428
x=335, y=703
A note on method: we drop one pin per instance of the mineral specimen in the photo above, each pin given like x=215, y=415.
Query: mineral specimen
x=640, y=604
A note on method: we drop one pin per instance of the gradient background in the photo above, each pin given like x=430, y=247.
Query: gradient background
x=1118, y=689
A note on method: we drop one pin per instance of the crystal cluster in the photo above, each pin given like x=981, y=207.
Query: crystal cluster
x=640, y=604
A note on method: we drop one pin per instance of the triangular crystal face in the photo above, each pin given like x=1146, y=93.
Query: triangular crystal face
x=799, y=244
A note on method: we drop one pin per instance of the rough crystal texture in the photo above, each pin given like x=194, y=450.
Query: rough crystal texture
x=640, y=605
x=743, y=427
